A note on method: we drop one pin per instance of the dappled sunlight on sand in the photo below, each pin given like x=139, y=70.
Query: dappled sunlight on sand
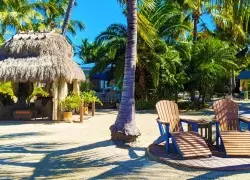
x=84, y=151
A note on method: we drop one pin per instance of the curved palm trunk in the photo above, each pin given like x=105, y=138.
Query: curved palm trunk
x=195, y=30
x=125, y=128
x=67, y=16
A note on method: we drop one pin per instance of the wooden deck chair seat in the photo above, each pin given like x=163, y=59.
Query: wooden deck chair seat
x=187, y=144
x=229, y=135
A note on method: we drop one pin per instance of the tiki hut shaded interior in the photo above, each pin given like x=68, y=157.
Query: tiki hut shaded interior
x=44, y=57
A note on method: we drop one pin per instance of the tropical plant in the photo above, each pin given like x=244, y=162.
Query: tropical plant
x=67, y=16
x=70, y=103
x=86, y=86
x=142, y=104
x=197, y=9
x=232, y=20
x=6, y=89
x=89, y=97
x=211, y=59
x=22, y=15
x=38, y=92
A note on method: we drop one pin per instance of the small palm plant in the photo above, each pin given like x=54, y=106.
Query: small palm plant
x=89, y=97
x=70, y=103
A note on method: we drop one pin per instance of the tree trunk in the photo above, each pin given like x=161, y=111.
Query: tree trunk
x=232, y=82
x=125, y=128
x=195, y=31
x=67, y=16
x=199, y=98
x=176, y=94
x=192, y=95
x=203, y=98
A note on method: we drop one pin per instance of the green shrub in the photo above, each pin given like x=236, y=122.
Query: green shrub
x=38, y=92
x=85, y=86
x=71, y=102
x=7, y=96
x=6, y=89
x=90, y=96
x=142, y=104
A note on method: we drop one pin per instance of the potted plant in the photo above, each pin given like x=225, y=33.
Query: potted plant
x=89, y=97
x=37, y=92
x=70, y=103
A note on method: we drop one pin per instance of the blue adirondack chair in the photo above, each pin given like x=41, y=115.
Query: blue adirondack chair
x=187, y=144
x=229, y=135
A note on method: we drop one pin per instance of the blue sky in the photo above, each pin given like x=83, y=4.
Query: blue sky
x=97, y=15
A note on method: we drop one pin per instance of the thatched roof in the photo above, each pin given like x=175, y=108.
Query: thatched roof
x=40, y=57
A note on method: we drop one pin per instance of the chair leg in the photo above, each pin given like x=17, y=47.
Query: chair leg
x=195, y=127
x=217, y=136
x=177, y=148
x=161, y=128
x=164, y=131
x=173, y=147
x=167, y=138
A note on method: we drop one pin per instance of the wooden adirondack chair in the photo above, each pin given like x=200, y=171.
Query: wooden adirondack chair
x=187, y=144
x=229, y=133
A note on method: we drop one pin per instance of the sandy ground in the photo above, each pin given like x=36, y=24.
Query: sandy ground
x=84, y=151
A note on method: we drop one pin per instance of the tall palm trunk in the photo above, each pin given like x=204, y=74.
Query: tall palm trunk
x=195, y=30
x=125, y=128
x=67, y=16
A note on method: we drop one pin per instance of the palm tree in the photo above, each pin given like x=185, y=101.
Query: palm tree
x=125, y=126
x=55, y=20
x=232, y=20
x=21, y=15
x=197, y=8
x=67, y=16
x=211, y=59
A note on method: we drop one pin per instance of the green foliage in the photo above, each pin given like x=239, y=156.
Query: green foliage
x=211, y=60
x=85, y=86
x=7, y=90
x=142, y=104
x=71, y=102
x=89, y=97
x=38, y=92
x=24, y=15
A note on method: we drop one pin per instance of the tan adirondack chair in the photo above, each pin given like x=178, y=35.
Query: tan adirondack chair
x=229, y=133
x=187, y=144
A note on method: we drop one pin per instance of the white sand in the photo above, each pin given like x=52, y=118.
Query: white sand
x=83, y=151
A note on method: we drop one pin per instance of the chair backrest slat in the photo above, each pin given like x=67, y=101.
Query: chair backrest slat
x=226, y=112
x=168, y=112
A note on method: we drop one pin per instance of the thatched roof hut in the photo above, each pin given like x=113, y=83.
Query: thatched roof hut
x=42, y=57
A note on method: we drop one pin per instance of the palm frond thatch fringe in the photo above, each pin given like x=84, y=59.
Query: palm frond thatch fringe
x=43, y=57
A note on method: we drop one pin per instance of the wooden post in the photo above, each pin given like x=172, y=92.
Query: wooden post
x=55, y=101
x=81, y=111
x=93, y=108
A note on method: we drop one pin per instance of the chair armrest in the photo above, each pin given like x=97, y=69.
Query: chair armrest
x=244, y=119
x=162, y=122
x=217, y=131
x=192, y=122
x=215, y=120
